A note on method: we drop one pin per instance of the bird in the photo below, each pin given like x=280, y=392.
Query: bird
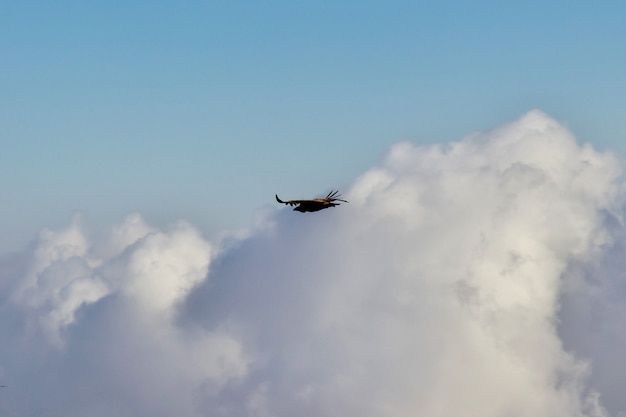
x=316, y=204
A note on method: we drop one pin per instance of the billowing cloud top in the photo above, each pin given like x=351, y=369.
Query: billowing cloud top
x=457, y=281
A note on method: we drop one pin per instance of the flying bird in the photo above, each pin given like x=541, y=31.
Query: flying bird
x=316, y=204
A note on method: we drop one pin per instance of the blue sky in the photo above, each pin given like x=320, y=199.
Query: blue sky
x=506, y=245
x=204, y=110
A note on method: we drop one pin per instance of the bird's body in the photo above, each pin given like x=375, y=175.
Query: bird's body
x=315, y=204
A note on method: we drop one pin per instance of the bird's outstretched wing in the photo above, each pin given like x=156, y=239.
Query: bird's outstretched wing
x=334, y=196
x=290, y=202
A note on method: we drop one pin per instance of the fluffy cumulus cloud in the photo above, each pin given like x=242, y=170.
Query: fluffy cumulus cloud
x=481, y=277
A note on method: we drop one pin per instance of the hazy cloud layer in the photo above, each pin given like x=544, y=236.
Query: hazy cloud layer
x=482, y=277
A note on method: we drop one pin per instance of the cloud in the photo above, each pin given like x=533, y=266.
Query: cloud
x=451, y=284
x=93, y=327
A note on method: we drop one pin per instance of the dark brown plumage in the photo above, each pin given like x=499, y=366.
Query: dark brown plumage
x=314, y=205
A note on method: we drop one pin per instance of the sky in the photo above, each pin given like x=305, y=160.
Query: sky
x=205, y=110
x=146, y=269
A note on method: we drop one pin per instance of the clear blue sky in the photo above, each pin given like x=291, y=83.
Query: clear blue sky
x=204, y=110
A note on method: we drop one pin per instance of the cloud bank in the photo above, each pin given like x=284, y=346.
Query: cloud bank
x=481, y=277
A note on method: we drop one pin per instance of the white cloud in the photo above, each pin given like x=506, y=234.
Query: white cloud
x=99, y=325
x=436, y=291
